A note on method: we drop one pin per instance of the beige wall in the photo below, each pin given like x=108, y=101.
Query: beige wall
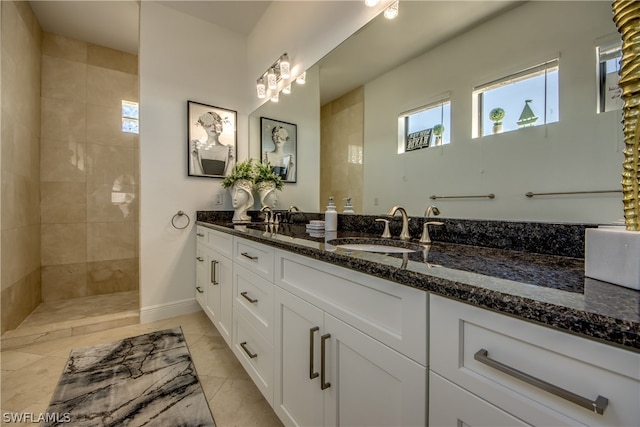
x=89, y=170
x=341, y=150
x=20, y=217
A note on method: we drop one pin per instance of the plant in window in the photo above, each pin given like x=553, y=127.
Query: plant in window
x=438, y=130
x=496, y=116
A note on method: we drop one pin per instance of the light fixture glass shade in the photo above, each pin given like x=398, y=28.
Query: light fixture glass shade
x=371, y=3
x=287, y=89
x=261, y=88
x=275, y=98
x=285, y=67
x=271, y=79
x=302, y=78
x=392, y=11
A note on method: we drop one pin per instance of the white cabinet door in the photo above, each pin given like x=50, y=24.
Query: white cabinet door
x=371, y=384
x=219, y=273
x=201, y=276
x=298, y=399
x=331, y=374
x=453, y=406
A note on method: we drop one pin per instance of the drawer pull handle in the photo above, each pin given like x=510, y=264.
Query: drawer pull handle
x=598, y=406
x=323, y=339
x=248, y=298
x=312, y=373
x=246, y=350
x=199, y=258
x=214, y=264
x=199, y=289
x=199, y=234
x=251, y=257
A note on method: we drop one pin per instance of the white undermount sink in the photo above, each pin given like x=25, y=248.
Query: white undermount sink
x=386, y=246
x=375, y=248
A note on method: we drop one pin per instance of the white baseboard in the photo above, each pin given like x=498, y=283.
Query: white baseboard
x=165, y=311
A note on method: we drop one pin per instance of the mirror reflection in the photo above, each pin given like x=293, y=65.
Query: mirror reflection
x=361, y=134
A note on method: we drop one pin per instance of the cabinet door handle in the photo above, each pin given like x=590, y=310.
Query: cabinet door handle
x=598, y=406
x=312, y=331
x=199, y=234
x=323, y=339
x=199, y=258
x=246, y=350
x=214, y=263
x=251, y=257
x=199, y=289
x=248, y=298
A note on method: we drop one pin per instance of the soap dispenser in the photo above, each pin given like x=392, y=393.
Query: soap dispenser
x=348, y=207
x=331, y=217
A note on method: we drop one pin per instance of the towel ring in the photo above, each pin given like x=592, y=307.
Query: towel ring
x=179, y=214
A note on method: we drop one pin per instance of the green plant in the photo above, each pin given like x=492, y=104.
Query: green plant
x=496, y=115
x=438, y=130
x=242, y=170
x=264, y=173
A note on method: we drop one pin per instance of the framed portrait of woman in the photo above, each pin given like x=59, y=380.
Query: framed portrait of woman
x=278, y=146
x=212, y=140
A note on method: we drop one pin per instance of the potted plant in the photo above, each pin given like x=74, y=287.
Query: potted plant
x=240, y=184
x=496, y=115
x=438, y=130
x=266, y=181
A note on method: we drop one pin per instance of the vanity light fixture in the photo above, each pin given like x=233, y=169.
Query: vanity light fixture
x=287, y=89
x=261, y=88
x=371, y=3
x=272, y=80
x=276, y=97
x=392, y=11
x=285, y=67
x=302, y=78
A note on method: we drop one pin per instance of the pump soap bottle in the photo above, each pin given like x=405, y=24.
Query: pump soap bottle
x=348, y=207
x=331, y=217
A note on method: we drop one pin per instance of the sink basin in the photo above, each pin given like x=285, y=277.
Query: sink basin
x=387, y=246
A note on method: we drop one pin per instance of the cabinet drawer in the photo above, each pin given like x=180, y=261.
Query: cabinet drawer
x=394, y=314
x=583, y=367
x=255, y=257
x=216, y=240
x=253, y=295
x=254, y=353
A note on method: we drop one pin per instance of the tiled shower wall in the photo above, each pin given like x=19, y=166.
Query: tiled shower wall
x=89, y=170
x=20, y=117
x=341, y=150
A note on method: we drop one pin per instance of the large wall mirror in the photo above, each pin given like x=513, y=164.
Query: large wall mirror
x=348, y=132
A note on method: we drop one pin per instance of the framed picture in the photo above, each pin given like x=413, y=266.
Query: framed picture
x=212, y=140
x=278, y=146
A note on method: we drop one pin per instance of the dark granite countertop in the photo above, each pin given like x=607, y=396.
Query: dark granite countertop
x=547, y=289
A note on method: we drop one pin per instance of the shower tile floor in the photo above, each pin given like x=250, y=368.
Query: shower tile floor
x=30, y=372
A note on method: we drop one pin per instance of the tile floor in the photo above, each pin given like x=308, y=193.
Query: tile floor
x=30, y=373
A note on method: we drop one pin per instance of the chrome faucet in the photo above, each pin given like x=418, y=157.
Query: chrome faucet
x=288, y=216
x=425, y=238
x=268, y=218
x=404, y=234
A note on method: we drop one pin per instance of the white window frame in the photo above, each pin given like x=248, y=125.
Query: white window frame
x=605, y=52
x=132, y=119
x=404, y=117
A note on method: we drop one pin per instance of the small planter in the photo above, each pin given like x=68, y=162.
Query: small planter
x=496, y=116
x=241, y=199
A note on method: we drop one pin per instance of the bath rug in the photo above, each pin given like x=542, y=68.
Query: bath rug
x=148, y=380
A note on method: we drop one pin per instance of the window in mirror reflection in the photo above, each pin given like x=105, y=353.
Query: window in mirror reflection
x=609, y=92
x=525, y=99
x=129, y=117
x=426, y=127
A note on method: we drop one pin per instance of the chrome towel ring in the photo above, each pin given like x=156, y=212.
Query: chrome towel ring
x=179, y=215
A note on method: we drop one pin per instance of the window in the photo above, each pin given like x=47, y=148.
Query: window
x=129, y=117
x=525, y=99
x=426, y=127
x=609, y=93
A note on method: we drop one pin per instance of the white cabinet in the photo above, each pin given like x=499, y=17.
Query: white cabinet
x=214, y=276
x=541, y=376
x=331, y=372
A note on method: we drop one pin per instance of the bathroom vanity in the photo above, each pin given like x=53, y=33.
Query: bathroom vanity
x=338, y=337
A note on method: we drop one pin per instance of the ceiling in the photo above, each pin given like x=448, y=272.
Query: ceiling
x=380, y=46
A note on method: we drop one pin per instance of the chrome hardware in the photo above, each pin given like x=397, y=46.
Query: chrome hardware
x=323, y=339
x=312, y=373
x=199, y=289
x=246, y=350
x=567, y=193
x=199, y=258
x=481, y=196
x=199, y=234
x=180, y=214
x=404, y=234
x=598, y=406
x=251, y=257
x=386, y=234
x=214, y=263
x=268, y=218
x=425, y=238
x=248, y=298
